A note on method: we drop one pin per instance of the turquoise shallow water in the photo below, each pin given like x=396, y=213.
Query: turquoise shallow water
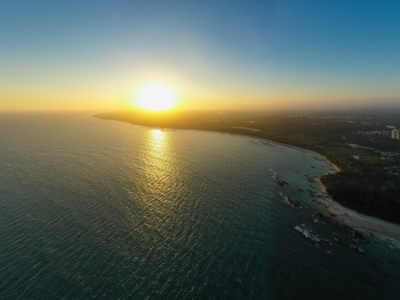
x=102, y=209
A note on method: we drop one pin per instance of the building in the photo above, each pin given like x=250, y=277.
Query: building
x=396, y=134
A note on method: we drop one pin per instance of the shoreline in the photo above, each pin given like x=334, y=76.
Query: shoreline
x=326, y=203
x=343, y=215
x=350, y=217
x=354, y=219
x=347, y=216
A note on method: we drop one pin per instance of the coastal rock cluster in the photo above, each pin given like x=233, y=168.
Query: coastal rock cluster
x=351, y=238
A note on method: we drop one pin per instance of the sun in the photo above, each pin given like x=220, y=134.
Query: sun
x=156, y=97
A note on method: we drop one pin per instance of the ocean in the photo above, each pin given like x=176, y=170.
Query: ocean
x=103, y=209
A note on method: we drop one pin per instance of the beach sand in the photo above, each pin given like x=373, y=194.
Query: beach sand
x=361, y=222
x=352, y=218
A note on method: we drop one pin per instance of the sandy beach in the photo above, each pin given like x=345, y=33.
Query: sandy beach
x=352, y=218
x=363, y=223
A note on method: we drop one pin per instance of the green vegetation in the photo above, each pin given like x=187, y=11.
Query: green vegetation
x=368, y=181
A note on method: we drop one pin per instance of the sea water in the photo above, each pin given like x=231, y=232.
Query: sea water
x=102, y=209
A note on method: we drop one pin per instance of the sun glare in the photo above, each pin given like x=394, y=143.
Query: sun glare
x=157, y=98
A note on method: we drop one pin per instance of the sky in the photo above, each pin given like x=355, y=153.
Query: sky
x=271, y=54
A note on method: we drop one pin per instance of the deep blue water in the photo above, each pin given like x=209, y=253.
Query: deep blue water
x=101, y=209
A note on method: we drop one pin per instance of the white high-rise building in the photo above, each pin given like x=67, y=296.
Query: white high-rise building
x=396, y=134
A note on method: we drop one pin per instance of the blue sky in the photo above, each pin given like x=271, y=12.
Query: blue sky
x=260, y=53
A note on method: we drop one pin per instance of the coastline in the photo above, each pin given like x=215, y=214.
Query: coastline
x=346, y=216
x=327, y=204
x=354, y=219
x=349, y=217
x=343, y=215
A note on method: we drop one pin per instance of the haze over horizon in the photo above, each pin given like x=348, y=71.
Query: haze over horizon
x=286, y=54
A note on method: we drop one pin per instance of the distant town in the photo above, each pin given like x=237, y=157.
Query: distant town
x=395, y=133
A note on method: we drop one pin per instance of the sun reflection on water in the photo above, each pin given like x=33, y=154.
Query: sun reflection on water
x=158, y=140
x=160, y=173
